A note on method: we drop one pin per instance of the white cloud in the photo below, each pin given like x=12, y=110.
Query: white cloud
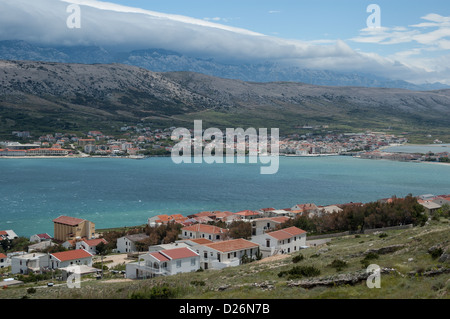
x=124, y=28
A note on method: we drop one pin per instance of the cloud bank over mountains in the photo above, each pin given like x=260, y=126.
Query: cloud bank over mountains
x=121, y=28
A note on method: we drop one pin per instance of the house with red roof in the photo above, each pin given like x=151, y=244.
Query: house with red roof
x=283, y=241
x=164, y=263
x=70, y=258
x=90, y=245
x=37, y=238
x=307, y=208
x=248, y=214
x=165, y=219
x=7, y=234
x=264, y=225
x=228, y=253
x=442, y=200
x=210, y=232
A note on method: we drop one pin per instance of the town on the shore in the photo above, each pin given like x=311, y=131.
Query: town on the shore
x=172, y=244
x=139, y=142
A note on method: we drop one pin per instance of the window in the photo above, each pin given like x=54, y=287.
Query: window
x=235, y=254
x=205, y=254
x=193, y=261
x=229, y=255
x=178, y=263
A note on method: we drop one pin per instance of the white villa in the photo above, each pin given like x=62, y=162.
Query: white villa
x=70, y=258
x=210, y=232
x=90, y=245
x=164, y=263
x=282, y=241
x=127, y=244
x=227, y=253
x=263, y=225
x=29, y=263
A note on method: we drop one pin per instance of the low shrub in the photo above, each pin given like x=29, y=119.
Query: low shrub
x=297, y=258
x=368, y=259
x=338, y=264
x=198, y=283
x=436, y=253
x=156, y=292
x=299, y=272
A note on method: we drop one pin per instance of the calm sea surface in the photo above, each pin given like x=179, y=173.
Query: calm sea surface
x=123, y=192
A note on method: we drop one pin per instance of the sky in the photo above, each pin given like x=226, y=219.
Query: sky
x=411, y=40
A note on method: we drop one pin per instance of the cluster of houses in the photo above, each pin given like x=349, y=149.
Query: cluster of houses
x=200, y=245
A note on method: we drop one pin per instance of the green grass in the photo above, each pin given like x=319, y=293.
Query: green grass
x=240, y=281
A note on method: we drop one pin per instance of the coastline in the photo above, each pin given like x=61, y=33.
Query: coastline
x=159, y=156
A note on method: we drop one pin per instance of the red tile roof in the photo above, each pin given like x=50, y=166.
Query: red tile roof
x=247, y=213
x=179, y=253
x=201, y=241
x=286, y=233
x=71, y=255
x=232, y=245
x=66, y=220
x=159, y=256
x=2, y=255
x=94, y=242
x=202, y=228
x=44, y=236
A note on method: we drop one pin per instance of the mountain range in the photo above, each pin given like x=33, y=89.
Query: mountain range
x=160, y=60
x=49, y=96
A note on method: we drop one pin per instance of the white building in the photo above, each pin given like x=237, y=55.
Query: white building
x=263, y=225
x=37, y=238
x=127, y=244
x=282, y=241
x=29, y=263
x=210, y=232
x=4, y=261
x=226, y=253
x=164, y=263
x=8, y=234
x=70, y=258
x=90, y=245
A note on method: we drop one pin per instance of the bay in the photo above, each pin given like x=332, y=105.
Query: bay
x=125, y=192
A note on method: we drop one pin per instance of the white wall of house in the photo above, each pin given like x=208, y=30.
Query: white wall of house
x=149, y=267
x=213, y=259
x=55, y=263
x=270, y=245
x=124, y=245
x=262, y=225
x=5, y=262
x=85, y=246
x=186, y=234
x=21, y=264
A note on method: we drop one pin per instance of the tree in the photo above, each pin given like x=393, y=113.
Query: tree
x=240, y=229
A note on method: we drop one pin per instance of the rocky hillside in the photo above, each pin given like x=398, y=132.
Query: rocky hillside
x=33, y=95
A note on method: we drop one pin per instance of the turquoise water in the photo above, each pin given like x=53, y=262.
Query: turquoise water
x=123, y=192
